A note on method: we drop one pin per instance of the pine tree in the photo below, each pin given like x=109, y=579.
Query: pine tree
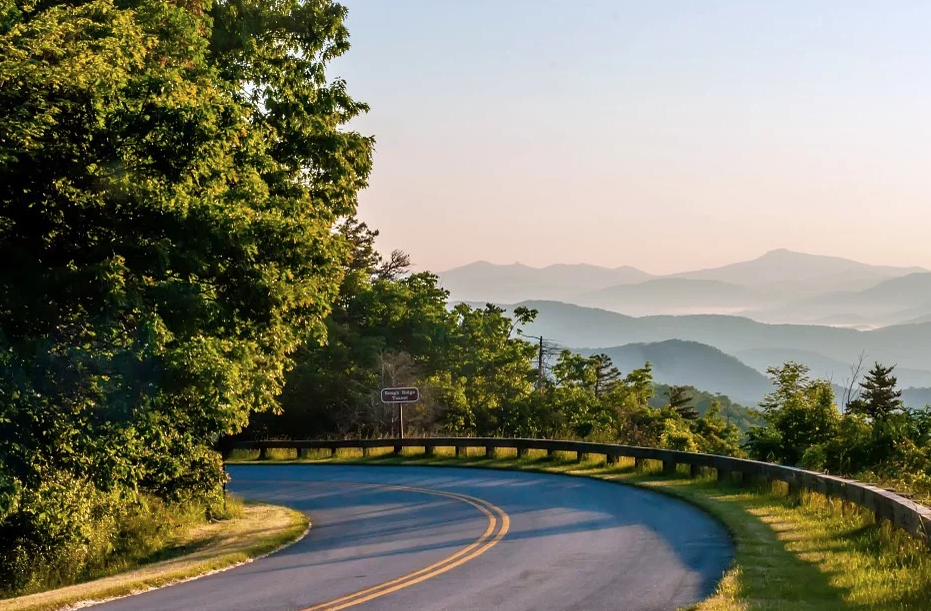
x=879, y=396
x=606, y=375
x=681, y=401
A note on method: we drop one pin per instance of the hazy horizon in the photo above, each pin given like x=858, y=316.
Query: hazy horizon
x=658, y=135
x=674, y=271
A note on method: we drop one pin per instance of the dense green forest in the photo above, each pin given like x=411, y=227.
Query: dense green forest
x=182, y=265
x=171, y=174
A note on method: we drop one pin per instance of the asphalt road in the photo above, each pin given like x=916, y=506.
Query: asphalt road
x=413, y=538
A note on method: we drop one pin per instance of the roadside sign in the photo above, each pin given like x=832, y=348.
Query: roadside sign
x=406, y=394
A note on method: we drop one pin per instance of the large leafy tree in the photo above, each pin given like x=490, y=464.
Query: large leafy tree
x=382, y=317
x=800, y=413
x=487, y=374
x=171, y=172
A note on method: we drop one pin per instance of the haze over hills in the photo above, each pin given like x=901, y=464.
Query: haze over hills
x=825, y=367
x=483, y=281
x=693, y=364
x=893, y=301
x=816, y=310
x=582, y=327
x=673, y=296
x=786, y=268
x=780, y=286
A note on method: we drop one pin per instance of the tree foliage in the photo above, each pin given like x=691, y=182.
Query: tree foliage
x=171, y=173
x=879, y=398
x=875, y=439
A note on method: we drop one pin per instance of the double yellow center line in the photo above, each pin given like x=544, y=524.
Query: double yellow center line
x=498, y=525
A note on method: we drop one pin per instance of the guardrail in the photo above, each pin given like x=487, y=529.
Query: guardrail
x=903, y=512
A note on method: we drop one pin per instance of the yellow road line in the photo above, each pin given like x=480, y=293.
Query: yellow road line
x=485, y=542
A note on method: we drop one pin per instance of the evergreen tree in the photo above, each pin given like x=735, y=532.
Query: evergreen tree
x=605, y=374
x=681, y=401
x=879, y=397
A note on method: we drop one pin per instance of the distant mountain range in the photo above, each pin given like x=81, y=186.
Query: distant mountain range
x=483, y=281
x=719, y=329
x=800, y=271
x=580, y=327
x=674, y=296
x=895, y=301
x=780, y=286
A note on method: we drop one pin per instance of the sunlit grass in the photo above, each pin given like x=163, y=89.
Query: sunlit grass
x=253, y=529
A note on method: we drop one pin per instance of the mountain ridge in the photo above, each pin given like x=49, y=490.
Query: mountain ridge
x=779, y=286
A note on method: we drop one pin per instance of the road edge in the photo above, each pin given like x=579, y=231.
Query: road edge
x=297, y=527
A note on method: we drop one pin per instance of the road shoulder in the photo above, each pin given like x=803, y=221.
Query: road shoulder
x=219, y=546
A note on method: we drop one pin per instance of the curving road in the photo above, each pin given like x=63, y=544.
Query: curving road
x=412, y=538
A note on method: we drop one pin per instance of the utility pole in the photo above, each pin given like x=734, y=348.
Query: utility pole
x=540, y=372
x=540, y=365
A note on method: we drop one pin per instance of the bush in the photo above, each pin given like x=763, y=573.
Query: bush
x=66, y=531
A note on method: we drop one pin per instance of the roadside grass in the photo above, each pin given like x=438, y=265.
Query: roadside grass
x=252, y=530
x=802, y=552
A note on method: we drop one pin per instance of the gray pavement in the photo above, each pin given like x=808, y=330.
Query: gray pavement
x=573, y=543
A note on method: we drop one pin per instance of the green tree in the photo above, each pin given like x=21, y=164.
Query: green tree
x=172, y=172
x=681, y=401
x=488, y=373
x=715, y=434
x=879, y=397
x=800, y=413
x=381, y=313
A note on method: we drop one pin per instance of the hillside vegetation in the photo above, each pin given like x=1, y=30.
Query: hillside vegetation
x=182, y=265
x=169, y=193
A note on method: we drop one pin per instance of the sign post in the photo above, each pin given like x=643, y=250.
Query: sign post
x=400, y=395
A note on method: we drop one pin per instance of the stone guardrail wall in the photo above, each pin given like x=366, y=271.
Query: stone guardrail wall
x=903, y=512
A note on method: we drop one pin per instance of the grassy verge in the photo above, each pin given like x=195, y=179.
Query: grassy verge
x=793, y=553
x=258, y=529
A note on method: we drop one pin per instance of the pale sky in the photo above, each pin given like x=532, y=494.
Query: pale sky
x=667, y=135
